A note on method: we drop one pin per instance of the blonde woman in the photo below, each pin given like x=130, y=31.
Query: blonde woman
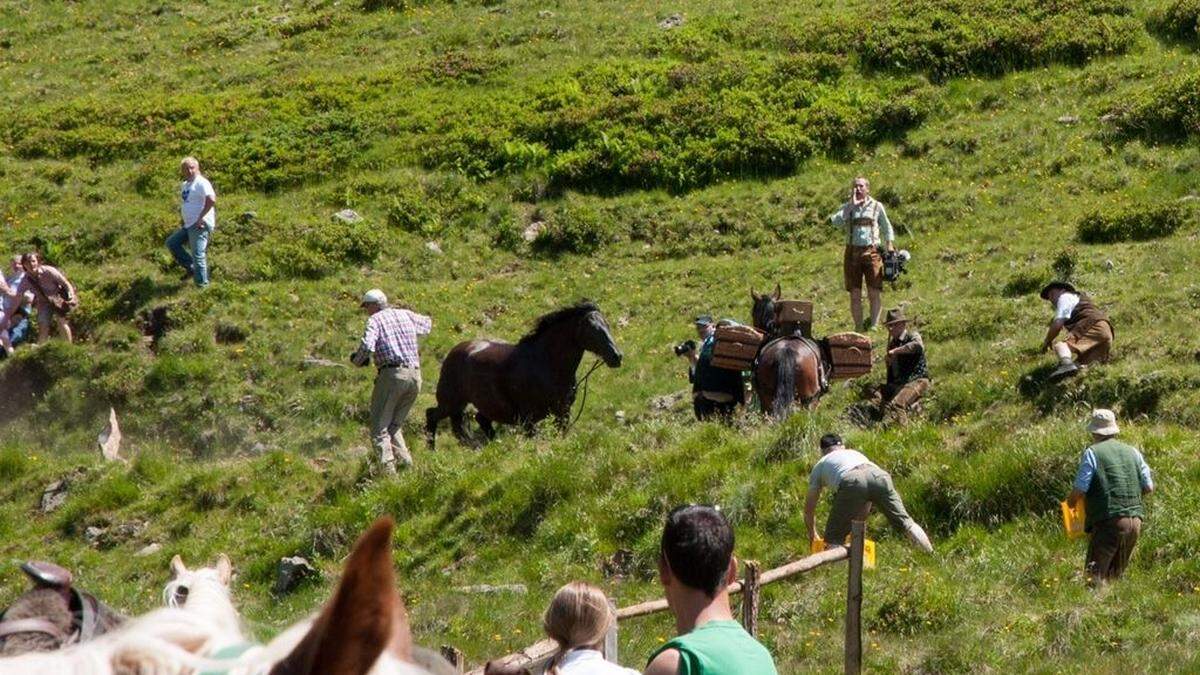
x=577, y=619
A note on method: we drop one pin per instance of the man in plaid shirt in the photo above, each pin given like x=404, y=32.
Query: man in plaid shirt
x=390, y=341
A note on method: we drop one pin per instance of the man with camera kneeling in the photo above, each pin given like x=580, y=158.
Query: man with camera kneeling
x=715, y=391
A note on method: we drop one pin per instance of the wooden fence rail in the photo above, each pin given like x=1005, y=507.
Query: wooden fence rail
x=536, y=655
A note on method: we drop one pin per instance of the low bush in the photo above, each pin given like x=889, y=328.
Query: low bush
x=1168, y=111
x=1135, y=223
x=314, y=251
x=575, y=226
x=1178, y=20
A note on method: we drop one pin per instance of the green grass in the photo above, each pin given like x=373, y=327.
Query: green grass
x=462, y=123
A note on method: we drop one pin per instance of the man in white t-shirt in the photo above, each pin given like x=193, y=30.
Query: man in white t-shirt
x=198, y=219
x=857, y=485
x=1089, y=331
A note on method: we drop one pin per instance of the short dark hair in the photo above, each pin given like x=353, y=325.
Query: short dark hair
x=830, y=440
x=697, y=544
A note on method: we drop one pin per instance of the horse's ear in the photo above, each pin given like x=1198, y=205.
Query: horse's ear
x=224, y=569
x=177, y=567
x=753, y=295
x=364, y=617
x=778, y=292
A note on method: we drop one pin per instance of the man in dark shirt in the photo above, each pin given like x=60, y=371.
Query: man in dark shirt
x=907, y=372
x=715, y=391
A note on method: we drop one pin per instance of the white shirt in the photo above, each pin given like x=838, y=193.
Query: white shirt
x=829, y=471
x=193, y=193
x=590, y=662
x=1066, y=305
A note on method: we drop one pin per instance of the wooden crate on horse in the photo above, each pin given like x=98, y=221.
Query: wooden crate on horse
x=794, y=315
x=736, y=347
x=849, y=355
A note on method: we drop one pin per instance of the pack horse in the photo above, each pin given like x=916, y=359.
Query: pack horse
x=521, y=383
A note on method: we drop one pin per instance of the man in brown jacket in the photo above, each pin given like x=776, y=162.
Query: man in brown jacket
x=1089, y=332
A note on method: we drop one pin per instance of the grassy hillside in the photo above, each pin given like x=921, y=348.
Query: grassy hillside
x=672, y=170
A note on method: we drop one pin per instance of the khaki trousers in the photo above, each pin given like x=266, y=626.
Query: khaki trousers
x=859, y=489
x=395, y=392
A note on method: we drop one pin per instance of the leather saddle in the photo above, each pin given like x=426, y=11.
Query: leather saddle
x=85, y=608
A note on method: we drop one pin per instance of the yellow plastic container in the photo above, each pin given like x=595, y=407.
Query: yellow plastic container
x=1073, y=519
x=817, y=545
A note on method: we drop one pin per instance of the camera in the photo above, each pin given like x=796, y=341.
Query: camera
x=685, y=347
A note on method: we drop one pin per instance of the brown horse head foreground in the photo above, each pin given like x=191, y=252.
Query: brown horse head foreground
x=789, y=367
x=523, y=383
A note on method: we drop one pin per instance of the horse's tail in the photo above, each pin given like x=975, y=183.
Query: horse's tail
x=785, y=383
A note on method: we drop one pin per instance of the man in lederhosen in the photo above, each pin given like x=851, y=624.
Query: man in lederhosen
x=867, y=231
x=1089, y=332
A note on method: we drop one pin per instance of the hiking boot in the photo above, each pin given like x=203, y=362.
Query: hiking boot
x=403, y=458
x=187, y=274
x=918, y=537
x=868, y=326
x=388, y=468
x=1064, y=371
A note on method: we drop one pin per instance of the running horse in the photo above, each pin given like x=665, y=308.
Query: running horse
x=789, y=368
x=523, y=383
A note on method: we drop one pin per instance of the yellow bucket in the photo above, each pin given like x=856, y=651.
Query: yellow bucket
x=1073, y=519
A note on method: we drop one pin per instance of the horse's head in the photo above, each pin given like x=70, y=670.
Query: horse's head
x=763, y=311
x=596, y=337
x=185, y=583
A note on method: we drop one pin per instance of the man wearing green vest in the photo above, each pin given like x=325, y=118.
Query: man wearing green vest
x=1111, y=480
x=696, y=566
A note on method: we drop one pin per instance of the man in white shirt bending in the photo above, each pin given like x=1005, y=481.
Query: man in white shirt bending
x=857, y=484
x=198, y=219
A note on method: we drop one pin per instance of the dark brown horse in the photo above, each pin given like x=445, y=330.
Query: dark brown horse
x=789, y=367
x=522, y=383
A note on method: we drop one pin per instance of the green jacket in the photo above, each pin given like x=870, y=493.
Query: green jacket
x=1116, y=489
x=720, y=648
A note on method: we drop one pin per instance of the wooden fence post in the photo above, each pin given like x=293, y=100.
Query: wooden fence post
x=610, y=638
x=750, y=588
x=455, y=657
x=854, y=600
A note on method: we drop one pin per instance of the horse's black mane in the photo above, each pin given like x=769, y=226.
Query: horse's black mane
x=553, y=318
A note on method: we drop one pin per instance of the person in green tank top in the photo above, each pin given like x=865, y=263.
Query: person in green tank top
x=696, y=566
x=1111, y=480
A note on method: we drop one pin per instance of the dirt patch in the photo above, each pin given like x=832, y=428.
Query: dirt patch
x=23, y=383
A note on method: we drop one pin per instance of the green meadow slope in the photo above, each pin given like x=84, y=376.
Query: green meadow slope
x=672, y=169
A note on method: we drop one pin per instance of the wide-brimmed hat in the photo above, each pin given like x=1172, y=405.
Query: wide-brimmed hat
x=704, y=320
x=1057, y=284
x=895, y=316
x=374, y=297
x=1103, y=422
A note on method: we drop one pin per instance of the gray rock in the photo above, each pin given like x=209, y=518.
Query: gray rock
x=1109, y=118
x=110, y=439
x=673, y=21
x=1109, y=265
x=291, y=573
x=1189, y=198
x=532, y=231
x=315, y=362
x=148, y=550
x=668, y=401
x=545, y=14
x=347, y=216
x=433, y=247
x=1069, y=120
x=54, y=496
x=93, y=534
x=489, y=589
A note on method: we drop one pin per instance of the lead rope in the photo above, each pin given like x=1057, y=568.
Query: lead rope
x=583, y=399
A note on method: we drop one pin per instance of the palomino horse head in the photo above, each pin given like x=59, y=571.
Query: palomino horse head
x=763, y=311
x=596, y=337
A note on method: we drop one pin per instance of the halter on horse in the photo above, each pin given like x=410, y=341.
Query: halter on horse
x=789, y=368
x=523, y=383
x=53, y=614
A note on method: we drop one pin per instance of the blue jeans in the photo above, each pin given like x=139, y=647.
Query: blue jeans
x=18, y=332
x=197, y=240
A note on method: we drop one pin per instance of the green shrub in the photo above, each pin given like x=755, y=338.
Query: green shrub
x=1169, y=110
x=1135, y=223
x=1178, y=20
x=575, y=226
x=313, y=251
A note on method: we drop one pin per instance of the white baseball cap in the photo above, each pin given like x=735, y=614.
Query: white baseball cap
x=374, y=297
x=1103, y=422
